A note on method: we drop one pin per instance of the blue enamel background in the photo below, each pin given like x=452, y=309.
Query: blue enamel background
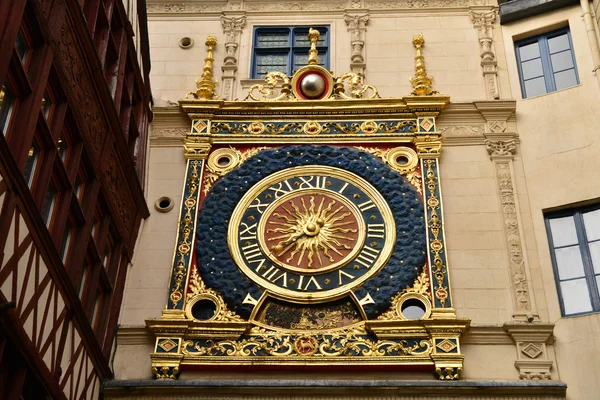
x=218, y=268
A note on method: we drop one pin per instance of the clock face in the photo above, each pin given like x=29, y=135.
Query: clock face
x=311, y=233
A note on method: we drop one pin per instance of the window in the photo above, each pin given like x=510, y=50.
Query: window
x=546, y=63
x=22, y=47
x=7, y=102
x=574, y=237
x=285, y=49
x=31, y=164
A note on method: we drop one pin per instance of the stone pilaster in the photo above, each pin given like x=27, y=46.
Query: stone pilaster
x=232, y=28
x=501, y=148
x=484, y=23
x=357, y=26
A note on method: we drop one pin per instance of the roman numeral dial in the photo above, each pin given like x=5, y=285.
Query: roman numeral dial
x=311, y=233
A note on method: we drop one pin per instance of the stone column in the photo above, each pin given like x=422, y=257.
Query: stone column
x=484, y=23
x=232, y=28
x=357, y=26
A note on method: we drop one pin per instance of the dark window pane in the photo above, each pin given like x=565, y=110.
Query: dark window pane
x=565, y=79
x=49, y=202
x=66, y=242
x=272, y=39
x=79, y=189
x=108, y=252
x=95, y=229
x=62, y=148
x=31, y=163
x=562, y=61
x=529, y=51
x=558, y=43
x=46, y=105
x=7, y=102
x=271, y=62
x=84, y=276
x=532, y=69
x=576, y=296
x=301, y=38
x=97, y=308
x=301, y=59
x=569, y=262
x=22, y=47
x=535, y=87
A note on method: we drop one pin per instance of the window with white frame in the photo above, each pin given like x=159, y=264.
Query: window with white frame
x=285, y=49
x=574, y=237
x=546, y=63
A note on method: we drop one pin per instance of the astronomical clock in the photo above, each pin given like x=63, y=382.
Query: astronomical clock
x=311, y=230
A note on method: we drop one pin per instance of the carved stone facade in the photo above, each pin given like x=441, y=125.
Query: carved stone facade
x=357, y=26
x=502, y=148
x=232, y=28
x=531, y=340
x=307, y=5
x=484, y=23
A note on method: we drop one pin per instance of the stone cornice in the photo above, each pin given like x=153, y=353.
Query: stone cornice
x=169, y=127
x=461, y=124
x=134, y=335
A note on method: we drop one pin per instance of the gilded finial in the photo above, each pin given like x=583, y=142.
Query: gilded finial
x=313, y=36
x=205, y=83
x=421, y=81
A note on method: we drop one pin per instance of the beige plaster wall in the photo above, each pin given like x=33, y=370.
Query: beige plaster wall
x=559, y=148
x=451, y=53
x=474, y=236
x=451, y=50
x=173, y=68
x=147, y=280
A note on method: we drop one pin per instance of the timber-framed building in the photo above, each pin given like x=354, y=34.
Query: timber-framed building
x=74, y=115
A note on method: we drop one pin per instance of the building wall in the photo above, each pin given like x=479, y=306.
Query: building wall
x=553, y=164
x=560, y=150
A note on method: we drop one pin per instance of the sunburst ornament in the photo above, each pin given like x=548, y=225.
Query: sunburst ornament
x=312, y=231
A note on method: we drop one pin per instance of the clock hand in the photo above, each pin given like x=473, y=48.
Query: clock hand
x=289, y=243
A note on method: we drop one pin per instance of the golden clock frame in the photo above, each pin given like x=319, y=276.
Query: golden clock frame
x=405, y=124
x=263, y=184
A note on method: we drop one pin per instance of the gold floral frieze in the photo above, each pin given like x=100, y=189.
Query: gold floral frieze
x=314, y=127
x=303, y=345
